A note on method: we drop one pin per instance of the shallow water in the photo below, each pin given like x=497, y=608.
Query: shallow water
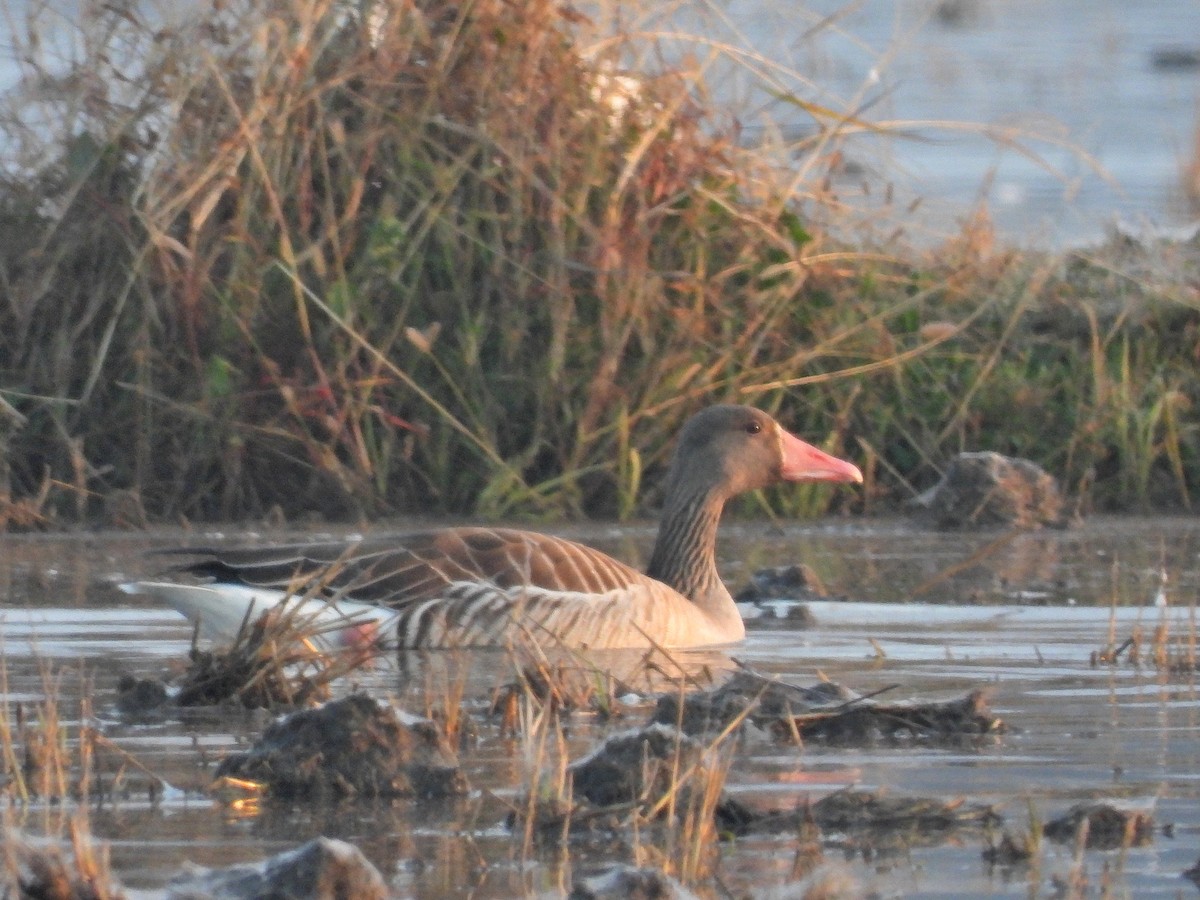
x=1022, y=619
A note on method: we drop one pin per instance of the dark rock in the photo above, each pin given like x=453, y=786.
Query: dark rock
x=634, y=765
x=1193, y=874
x=852, y=810
x=986, y=489
x=885, y=819
x=140, y=696
x=353, y=747
x=1175, y=58
x=1108, y=827
x=621, y=882
x=322, y=869
x=796, y=582
x=966, y=719
x=1009, y=851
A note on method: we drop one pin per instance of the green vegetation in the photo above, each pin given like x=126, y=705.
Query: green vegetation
x=441, y=257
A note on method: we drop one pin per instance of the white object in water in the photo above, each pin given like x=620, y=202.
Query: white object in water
x=220, y=611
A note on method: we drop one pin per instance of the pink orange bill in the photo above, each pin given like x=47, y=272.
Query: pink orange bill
x=804, y=462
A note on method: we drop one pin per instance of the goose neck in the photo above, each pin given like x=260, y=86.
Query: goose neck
x=685, y=551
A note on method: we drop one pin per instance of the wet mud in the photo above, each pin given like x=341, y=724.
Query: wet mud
x=321, y=868
x=352, y=747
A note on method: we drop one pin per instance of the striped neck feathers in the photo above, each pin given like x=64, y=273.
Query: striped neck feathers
x=684, y=555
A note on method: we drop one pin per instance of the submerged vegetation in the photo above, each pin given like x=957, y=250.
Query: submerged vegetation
x=298, y=255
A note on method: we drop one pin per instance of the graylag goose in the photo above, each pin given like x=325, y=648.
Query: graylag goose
x=478, y=587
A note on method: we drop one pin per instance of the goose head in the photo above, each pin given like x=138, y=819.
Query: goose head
x=727, y=450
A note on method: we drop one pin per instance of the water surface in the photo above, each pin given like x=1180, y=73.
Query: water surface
x=1018, y=616
x=1064, y=117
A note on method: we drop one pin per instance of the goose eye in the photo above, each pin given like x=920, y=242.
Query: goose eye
x=753, y=427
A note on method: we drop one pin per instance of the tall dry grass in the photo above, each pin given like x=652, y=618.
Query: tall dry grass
x=425, y=256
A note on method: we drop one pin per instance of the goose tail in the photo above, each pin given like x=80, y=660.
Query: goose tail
x=221, y=610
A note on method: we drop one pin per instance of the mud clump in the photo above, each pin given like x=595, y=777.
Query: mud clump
x=47, y=872
x=1010, y=851
x=565, y=686
x=830, y=714
x=635, y=765
x=746, y=695
x=622, y=882
x=966, y=719
x=1193, y=874
x=982, y=490
x=1104, y=827
x=783, y=616
x=795, y=582
x=779, y=593
x=353, y=747
x=865, y=817
x=851, y=810
x=141, y=697
x=322, y=869
x=633, y=772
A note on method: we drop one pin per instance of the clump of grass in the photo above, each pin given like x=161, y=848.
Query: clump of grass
x=558, y=685
x=45, y=768
x=661, y=785
x=444, y=696
x=1019, y=850
x=38, y=760
x=44, y=761
x=572, y=681
x=1099, y=339
x=668, y=801
x=50, y=871
x=548, y=807
x=683, y=820
x=1170, y=646
x=1165, y=650
x=276, y=660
